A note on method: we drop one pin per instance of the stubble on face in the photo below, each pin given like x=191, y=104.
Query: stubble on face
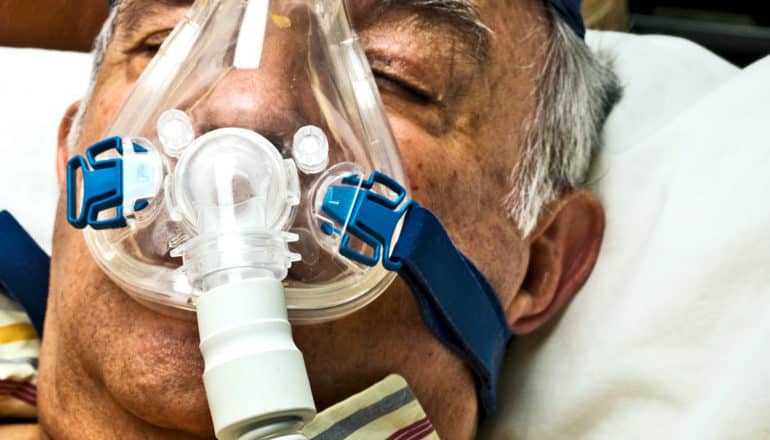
x=123, y=368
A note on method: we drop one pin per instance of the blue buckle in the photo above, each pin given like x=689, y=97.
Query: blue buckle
x=456, y=301
x=369, y=216
x=102, y=186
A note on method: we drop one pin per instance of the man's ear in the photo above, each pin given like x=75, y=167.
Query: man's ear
x=563, y=250
x=62, y=148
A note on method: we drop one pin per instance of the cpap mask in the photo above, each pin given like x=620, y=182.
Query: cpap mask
x=186, y=155
x=251, y=179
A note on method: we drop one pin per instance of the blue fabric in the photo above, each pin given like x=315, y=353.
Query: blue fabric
x=24, y=270
x=102, y=182
x=456, y=301
x=102, y=186
x=570, y=12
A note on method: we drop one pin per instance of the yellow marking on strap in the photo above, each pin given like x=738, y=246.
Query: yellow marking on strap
x=17, y=332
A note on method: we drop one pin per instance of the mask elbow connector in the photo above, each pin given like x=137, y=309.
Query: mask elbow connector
x=255, y=376
x=238, y=194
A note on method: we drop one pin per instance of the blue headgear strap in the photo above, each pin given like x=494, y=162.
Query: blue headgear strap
x=570, y=12
x=23, y=270
x=568, y=9
x=457, y=303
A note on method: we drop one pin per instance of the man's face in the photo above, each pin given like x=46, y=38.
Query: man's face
x=457, y=111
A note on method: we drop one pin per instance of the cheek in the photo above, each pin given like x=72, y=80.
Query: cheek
x=445, y=175
x=465, y=182
x=105, y=103
x=148, y=363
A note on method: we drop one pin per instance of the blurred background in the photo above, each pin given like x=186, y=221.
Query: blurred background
x=738, y=30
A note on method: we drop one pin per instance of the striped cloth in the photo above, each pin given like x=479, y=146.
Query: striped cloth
x=388, y=410
x=19, y=352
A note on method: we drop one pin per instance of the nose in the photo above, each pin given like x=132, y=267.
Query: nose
x=273, y=99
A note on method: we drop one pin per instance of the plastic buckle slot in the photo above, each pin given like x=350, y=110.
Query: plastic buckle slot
x=102, y=186
x=370, y=217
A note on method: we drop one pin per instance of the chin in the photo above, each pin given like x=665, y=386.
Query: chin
x=155, y=369
x=141, y=366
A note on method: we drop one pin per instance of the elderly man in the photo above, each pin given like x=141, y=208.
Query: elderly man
x=500, y=101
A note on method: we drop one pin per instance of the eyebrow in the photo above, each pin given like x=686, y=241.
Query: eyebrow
x=131, y=12
x=463, y=14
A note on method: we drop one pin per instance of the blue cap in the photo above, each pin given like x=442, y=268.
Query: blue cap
x=570, y=12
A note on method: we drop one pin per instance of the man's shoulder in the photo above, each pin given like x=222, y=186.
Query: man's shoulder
x=20, y=432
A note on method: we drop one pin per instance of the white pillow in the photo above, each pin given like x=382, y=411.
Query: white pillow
x=668, y=339
x=662, y=76
x=36, y=87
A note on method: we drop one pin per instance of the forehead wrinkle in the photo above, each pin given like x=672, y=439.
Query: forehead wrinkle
x=131, y=12
x=464, y=14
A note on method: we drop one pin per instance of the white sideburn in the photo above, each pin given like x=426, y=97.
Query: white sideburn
x=255, y=376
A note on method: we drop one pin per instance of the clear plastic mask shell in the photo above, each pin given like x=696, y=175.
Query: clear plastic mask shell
x=309, y=96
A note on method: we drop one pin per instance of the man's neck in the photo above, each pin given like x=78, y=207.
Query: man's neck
x=74, y=403
x=451, y=406
x=88, y=411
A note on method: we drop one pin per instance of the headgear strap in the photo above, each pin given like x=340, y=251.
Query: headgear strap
x=570, y=12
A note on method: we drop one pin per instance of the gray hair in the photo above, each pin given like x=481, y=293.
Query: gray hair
x=100, y=50
x=575, y=94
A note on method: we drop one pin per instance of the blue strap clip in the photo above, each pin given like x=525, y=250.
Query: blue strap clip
x=369, y=216
x=456, y=301
x=102, y=186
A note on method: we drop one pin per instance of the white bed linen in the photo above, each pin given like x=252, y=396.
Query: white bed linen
x=36, y=87
x=669, y=337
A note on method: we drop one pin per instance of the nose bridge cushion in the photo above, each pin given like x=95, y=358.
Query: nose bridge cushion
x=274, y=100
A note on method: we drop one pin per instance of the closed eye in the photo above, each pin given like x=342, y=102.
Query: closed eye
x=152, y=44
x=392, y=84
